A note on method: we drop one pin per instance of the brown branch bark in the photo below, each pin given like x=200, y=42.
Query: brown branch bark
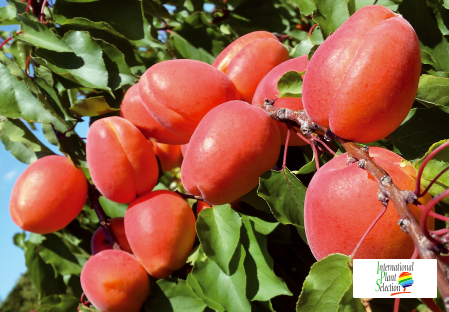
x=387, y=190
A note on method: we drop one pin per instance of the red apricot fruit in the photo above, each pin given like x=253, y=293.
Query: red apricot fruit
x=121, y=161
x=341, y=203
x=169, y=155
x=160, y=227
x=232, y=146
x=98, y=242
x=200, y=206
x=246, y=65
x=184, y=149
x=48, y=195
x=268, y=90
x=344, y=90
x=178, y=93
x=135, y=112
x=114, y=281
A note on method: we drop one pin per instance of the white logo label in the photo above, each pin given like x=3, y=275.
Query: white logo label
x=395, y=278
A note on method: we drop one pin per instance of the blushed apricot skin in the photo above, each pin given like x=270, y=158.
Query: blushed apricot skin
x=344, y=90
x=169, y=155
x=225, y=57
x=341, y=203
x=114, y=281
x=232, y=146
x=249, y=65
x=184, y=149
x=121, y=161
x=135, y=112
x=160, y=227
x=200, y=206
x=267, y=89
x=118, y=228
x=178, y=93
x=48, y=195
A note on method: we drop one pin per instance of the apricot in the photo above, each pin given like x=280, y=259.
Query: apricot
x=200, y=206
x=135, y=112
x=184, y=149
x=169, y=155
x=341, y=203
x=178, y=93
x=98, y=242
x=248, y=59
x=362, y=81
x=160, y=227
x=232, y=146
x=268, y=90
x=48, y=195
x=114, y=281
x=121, y=161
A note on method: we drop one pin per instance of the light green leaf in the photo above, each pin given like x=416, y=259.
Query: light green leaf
x=305, y=6
x=94, y=106
x=8, y=15
x=433, y=90
x=330, y=14
x=290, y=84
x=58, y=303
x=111, y=208
x=219, y=232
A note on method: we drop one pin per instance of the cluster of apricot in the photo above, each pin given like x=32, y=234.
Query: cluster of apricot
x=360, y=84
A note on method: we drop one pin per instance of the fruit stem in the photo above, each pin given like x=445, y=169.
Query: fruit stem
x=432, y=182
x=316, y=138
x=188, y=196
x=397, y=303
x=425, y=214
x=94, y=196
x=9, y=39
x=42, y=11
x=431, y=213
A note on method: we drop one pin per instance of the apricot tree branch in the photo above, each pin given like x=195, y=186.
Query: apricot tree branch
x=94, y=195
x=388, y=190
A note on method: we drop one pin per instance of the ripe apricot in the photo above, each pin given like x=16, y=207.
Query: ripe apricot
x=48, y=195
x=134, y=111
x=200, y=206
x=169, y=155
x=160, y=227
x=178, y=93
x=114, y=281
x=344, y=90
x=232, y=146
x=98, y=242
x=184, y=149
x=341, y=203
x=121, y=161
x=247, y=65
x=268, y=90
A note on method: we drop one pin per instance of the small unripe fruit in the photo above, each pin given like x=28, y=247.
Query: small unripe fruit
x=48, y=195
x=99, y=243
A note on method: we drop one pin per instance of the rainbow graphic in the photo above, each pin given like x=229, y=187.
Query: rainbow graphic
x=405, y=280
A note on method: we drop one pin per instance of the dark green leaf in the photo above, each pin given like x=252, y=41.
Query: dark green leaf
x=350, y=304
x=20, y=51
x=355, y=5
x=46, y=74
x=263, y=284
x=40, y=36
x=229, y=291
x=327, y=284
x=85, y=23
x=155, y=9
x=124, y=16
x=290, y=84
x=219, y=233
x=58, y=303
x=93, y=106
x=433, y=90
x=185, y=49
x=254, y=200
x=19, y=240
x=173, y=295
x=330, y=14
x=421, y=128
x=21, y=142
x=433, y=168
x=285, y=196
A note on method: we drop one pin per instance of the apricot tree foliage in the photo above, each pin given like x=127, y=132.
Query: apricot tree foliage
x=73, y=60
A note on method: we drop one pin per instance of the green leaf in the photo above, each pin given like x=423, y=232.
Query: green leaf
x=94, y=106
x=155, y=9
x=421, y=128
x=20, y=51
x=218, y=230
x=326, y=286
x=433, y=90
x=305, y=6
x=185, y=49
x=44, y=277
x=19, y=102
x=111, y=208
x=124, y=16
x=350, y=304
x=173, y=295
x=195, y=286
x=355, y=5
x=290, y=84
x=19, y=240
x=8, y=15
x=58, y=303
x=251, y=198
x=285, y=197
x=229, y=291
x=46, y=74
x=53, y=251
x=330, y=14
x=21, y=142
x=263, y=284
x=261, y=226
x=437, y=164
x=40, y=36
x=304, y=47
x=85, y=23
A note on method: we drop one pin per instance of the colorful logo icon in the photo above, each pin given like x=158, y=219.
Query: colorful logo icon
x=405, y=280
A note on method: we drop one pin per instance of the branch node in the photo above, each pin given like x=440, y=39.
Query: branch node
x=361, y=163
x=382, y=197
x=350, y=160
x=385, y=180
x=365, y=148
x=410, y=197
x=268, y=102
x=281, y=113
x=404, y=224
